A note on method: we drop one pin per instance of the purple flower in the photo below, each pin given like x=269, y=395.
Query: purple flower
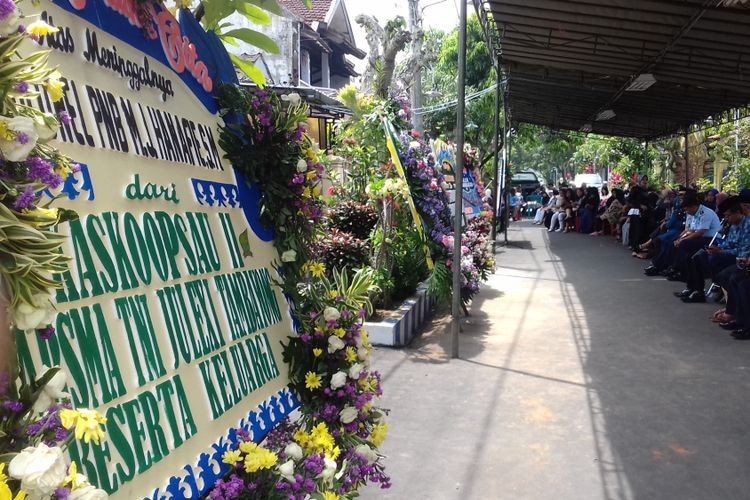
x=64, y=116
x=22, y=137
x=46, y=333
x=22, y=28
x=25, y=199
x=22, y=86
x=7, y=7
x=41, y=170
x=61, y=494
x=298, y=179
x=14, y=406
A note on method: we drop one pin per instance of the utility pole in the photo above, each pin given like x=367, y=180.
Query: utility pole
x=417, y=37
x=459, y=173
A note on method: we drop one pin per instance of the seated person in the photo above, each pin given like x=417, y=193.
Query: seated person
x=701, y=224
x=564, y=207
x=546, y=207
x=671, y=229
x=612, y=213
x=722, y=254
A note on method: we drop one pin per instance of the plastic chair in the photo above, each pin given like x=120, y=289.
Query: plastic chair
x=531, y=204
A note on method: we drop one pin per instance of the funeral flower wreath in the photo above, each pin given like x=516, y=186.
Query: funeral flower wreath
x=37, y=421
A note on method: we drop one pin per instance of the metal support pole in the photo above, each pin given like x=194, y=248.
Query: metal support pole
x=495, y=161
x=687, y=162
x=459, y=173
x=509, y=144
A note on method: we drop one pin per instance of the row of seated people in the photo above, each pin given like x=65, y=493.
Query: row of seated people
x=584, y=210
x=688, y=236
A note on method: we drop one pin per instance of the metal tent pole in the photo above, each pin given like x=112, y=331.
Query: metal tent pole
x=459, y=174
x=506, y=196
x=687, y=162
x=496, y=162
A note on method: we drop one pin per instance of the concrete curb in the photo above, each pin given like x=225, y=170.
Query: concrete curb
x=399, y=331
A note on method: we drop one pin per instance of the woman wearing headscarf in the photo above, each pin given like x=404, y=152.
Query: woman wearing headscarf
x=637, y=205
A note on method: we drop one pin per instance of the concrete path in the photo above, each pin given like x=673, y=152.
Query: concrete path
x=579, y=379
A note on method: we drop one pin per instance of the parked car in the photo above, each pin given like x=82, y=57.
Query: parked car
x=591, y=180
x=526, y=181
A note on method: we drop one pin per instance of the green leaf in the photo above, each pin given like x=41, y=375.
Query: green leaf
x=250, y=69
x=268, y=5
x=216, y=11
x=253, y=13
x=244, y=241
x=254, y=38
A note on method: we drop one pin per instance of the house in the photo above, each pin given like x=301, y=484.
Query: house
x=312, y=60
x=313, y=44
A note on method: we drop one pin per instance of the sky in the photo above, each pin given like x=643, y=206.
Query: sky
x=437, y=14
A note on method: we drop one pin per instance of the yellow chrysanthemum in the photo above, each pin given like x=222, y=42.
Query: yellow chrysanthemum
x=260, y=459
x=317, y=352
x=317, y=269
x=306, y=193
x=231, y=457
x=330, y=495
x=248, y=447
x=40, y=28
x=378, y=434
x=351, y=354
x=87, y=424
x=313, y=380
x=339, y=332
x=54, y=88
x=311, y=175
x=333, y=294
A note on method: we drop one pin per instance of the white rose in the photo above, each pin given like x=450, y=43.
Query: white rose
x=414, y=144
x=287, y=470
x=334, y=344
x=355, y=371
x=366, y=452
x=51, y=392
x=48, y=127
x=338, y=380
x=331, y=314
x=363, y=354
x=294, y=99
x=41, y=469
x=88, y=493
x=14, y=150
x=39, y=314
x=10, y=24
x=348, y=414
x=293, y=451
x=289, y=256
x=329, y=470
x=301, y=166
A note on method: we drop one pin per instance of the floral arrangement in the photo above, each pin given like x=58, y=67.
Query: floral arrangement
x=37, y=424
x=265, y=140
x=330, y=451
x=37, y=421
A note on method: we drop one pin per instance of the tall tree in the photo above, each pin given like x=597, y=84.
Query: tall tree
x=385, y=43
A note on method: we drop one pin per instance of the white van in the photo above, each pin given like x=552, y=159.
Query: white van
x=591, y=180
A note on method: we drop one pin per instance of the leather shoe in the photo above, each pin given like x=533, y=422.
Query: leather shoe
x=675, y=277
x=694, y=297
x=685, y=293
x=741, y=334
x=667, y=271
x=651, y=271
x=730, y=325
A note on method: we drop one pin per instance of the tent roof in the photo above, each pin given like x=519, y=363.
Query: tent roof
x=567, y=61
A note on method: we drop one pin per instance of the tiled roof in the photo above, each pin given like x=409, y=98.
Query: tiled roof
x=316, y=13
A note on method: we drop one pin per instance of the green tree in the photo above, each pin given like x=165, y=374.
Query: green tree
x=441, y=78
